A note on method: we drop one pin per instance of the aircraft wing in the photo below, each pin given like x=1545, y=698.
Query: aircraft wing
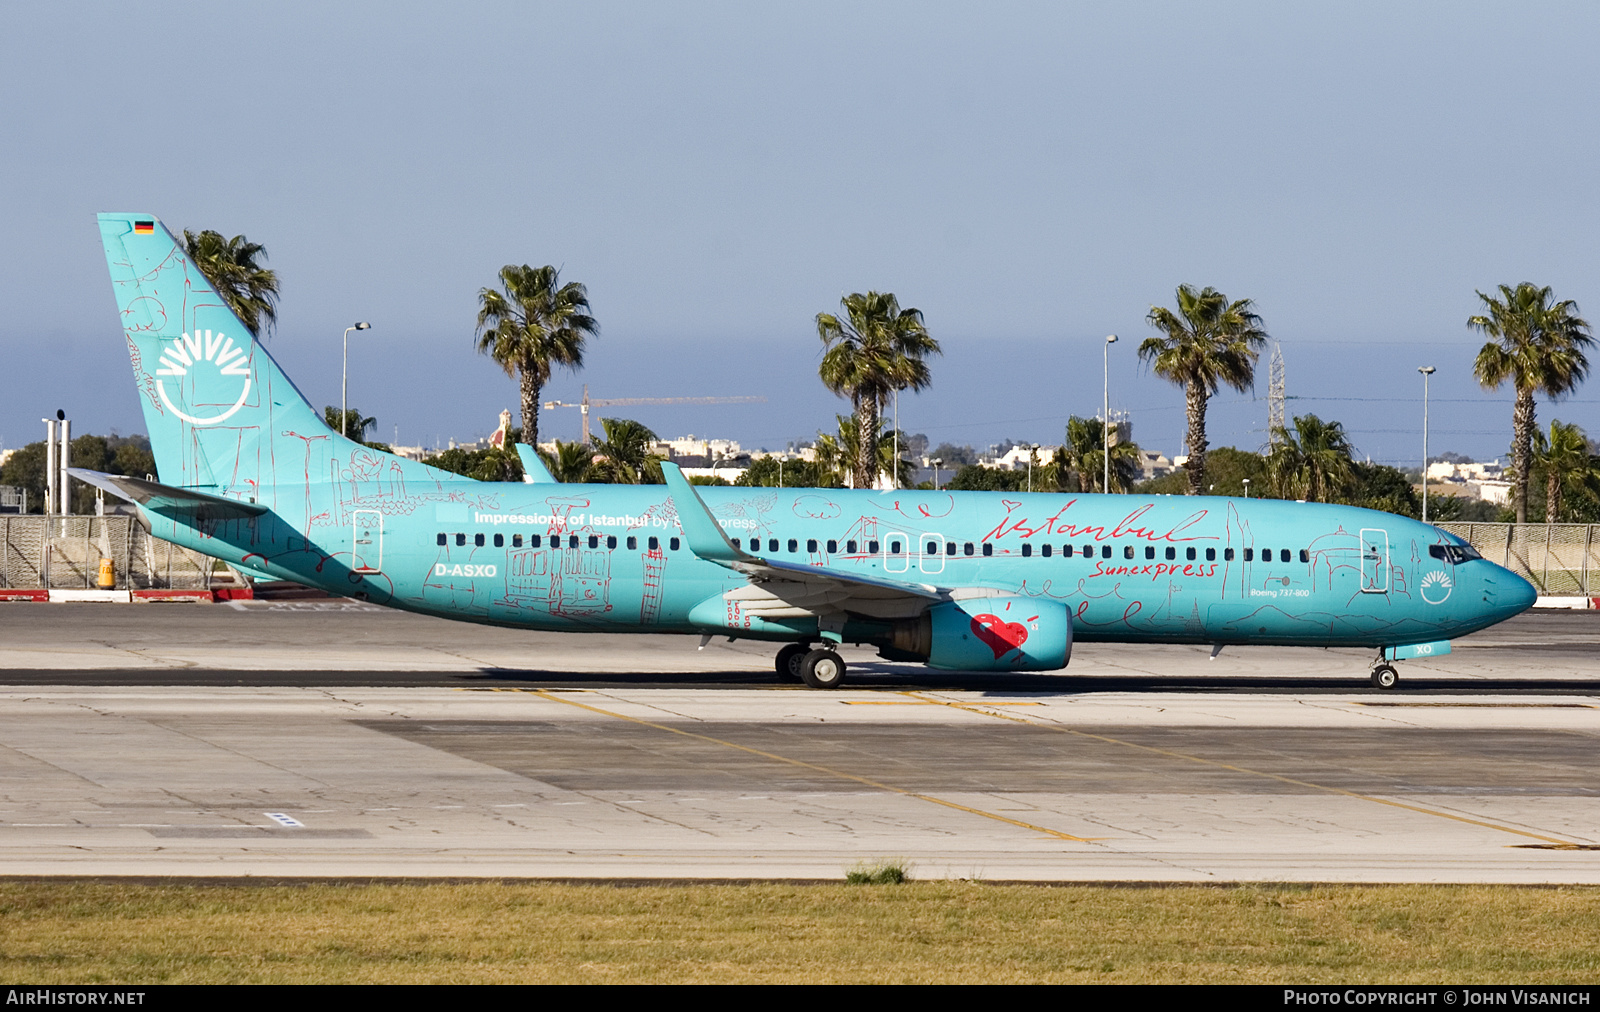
x=810, y=588
x=533, y=470
x=167, y=499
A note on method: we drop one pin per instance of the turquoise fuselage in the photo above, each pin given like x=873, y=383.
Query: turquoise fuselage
x=1140, y=569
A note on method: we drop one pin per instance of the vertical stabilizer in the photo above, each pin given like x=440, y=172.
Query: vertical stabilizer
x=216, y=404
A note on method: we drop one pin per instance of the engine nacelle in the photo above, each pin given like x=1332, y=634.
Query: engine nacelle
x=988, y=634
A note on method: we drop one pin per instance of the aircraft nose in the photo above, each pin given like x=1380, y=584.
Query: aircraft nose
x=1507, y=593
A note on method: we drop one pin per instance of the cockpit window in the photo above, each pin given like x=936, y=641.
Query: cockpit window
x=1454, y=554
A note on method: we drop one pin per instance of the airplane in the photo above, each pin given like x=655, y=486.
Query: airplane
x=977, y=582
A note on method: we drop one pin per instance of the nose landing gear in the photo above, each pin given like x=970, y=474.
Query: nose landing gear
x=1384, y=676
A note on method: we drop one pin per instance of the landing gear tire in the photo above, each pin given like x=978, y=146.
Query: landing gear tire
x=822, y=669
x=1384, y=676
x=789, y=659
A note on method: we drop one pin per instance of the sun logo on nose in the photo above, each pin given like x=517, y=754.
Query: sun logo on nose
x=181, y=356
x=1436, y=587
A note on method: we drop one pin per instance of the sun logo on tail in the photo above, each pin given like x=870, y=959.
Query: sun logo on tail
x=185, y=353
x=1436, y=588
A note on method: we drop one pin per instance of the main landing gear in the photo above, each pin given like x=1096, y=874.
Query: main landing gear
x=820, y=668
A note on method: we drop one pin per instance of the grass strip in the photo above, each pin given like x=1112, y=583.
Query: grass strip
x=87, y=932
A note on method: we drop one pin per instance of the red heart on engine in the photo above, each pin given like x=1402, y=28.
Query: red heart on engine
x=1000, y=635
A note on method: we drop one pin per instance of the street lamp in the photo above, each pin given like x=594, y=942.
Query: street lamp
x=1426, y=371
x=1247, y=488
x=344, y=382
x=936, y=461
x=1105, y=482
x=1033, y=448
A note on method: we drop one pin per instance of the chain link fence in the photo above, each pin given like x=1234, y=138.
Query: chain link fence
x=65, y=553
x=1558, y=559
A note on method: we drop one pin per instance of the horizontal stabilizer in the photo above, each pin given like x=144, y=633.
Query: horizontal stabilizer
x=166, y=499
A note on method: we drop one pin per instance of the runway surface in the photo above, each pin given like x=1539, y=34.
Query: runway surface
x=342, y=740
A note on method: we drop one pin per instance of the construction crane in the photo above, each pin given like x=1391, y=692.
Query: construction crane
x=609, y=402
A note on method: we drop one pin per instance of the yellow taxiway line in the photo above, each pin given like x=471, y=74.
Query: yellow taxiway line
x=978, y=708
x=867, y=781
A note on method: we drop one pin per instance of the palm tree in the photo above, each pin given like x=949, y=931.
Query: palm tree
x=876, y=349
x=1084, y=453
x=232, y=266
x=1538, y=346
x=1207, y=342
x=881, y=450
x=571, y=463
x=535, y=325
x=1310, y=459
x=1567, y=464
x=624, y=456
x=353, y=424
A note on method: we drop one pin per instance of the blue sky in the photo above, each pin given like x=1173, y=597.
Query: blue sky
x=1032, y=176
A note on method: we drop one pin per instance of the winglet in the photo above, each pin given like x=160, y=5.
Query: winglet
x=700, y=528
x=167, y=499
x=533, y=470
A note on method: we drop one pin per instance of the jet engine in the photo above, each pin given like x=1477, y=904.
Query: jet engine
x=987, y=634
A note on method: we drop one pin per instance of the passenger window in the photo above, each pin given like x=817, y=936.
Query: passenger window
x=1305, y=556
x=1266, y=555
x=1211, y=555
x=633, y=544
x=1188, y=553
x=445, y=540
x=1027, y=550
x=967, y=549
x=594, y=541
x=499, y=540
x=950, y=548
x=894, y=548
x=1105, y=551
x=1127, y=551
x=988, y=549
x=1172, y=553
x=1066, y=550
x=1248, y=554
x=611, y=542
x=1227, y=554
x=850, y=548
x=534, y=541
x=461, y=539
x=1149, y=551
x=734, y=542
x=672, y=543
x=1283, y=555
x=1044, y=550
x=811, y=544
x=477, y=540
x=931, y=548
x=794, y=546
x=654, y=544
x=833, y=546
x=516, y=541
x=572, y=541
x=772, y=544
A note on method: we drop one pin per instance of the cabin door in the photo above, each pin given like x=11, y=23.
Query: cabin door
x=931, y=561
x=366, y=541
x=1374, y=561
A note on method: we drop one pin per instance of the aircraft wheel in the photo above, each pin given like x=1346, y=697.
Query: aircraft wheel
x=822, y=669
x=789, y=659
x=1384, y=676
